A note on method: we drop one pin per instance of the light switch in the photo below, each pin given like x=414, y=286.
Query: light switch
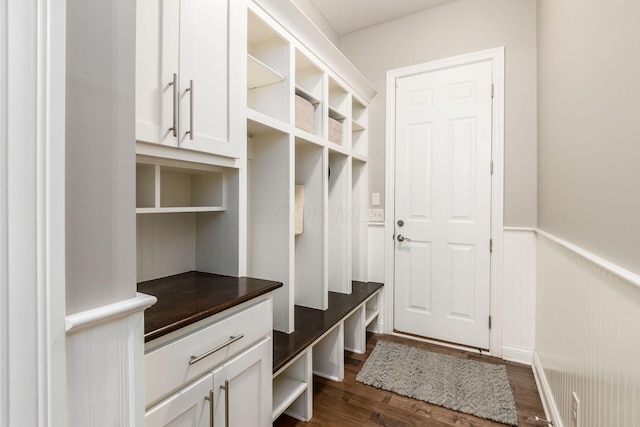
x=375, y=199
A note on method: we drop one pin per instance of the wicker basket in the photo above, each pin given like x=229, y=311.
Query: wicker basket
x=335, y=131
x=304, y=115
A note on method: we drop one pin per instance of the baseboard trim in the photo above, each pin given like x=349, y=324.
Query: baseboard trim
x=548, y=402
x=517, y=354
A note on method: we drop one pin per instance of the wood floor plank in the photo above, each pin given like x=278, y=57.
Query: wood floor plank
x=350, y=403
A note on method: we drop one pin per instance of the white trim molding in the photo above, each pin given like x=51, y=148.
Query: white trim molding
x=548, y=402
x=497, y=57
x=32, y=213
x=108, y=313
x=106, y=346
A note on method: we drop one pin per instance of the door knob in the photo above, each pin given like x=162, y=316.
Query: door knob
x=402, y=238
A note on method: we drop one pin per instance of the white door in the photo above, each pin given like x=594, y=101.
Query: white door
x=443, y=204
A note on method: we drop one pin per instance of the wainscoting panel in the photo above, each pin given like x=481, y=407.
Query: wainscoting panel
x=376, y=252
x=105, y=375
x=519, y=294
x=587, y=336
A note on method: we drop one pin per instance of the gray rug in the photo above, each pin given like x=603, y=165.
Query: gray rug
x=476, y=388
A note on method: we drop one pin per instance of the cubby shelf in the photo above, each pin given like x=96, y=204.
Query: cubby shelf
x=285, y=392
x=307, y=95
x=356, y=127
x=336, y=114
x=260, y=74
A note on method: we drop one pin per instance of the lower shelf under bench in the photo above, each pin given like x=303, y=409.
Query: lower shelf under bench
x=317, y=346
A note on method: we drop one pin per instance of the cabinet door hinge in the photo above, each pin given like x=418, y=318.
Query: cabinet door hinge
x=491, y=167
x=493, y=91
x=489, y=322
x=490, y=245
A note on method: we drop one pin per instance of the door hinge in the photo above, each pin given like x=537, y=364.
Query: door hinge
x=491, y=167
x=489, y=322
x=490, y=246
x=493, y=91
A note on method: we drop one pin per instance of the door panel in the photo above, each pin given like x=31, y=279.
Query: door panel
x=204, y=86
x=443, y=196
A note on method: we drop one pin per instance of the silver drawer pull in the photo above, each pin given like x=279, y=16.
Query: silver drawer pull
x=212, y=412
x=195, y=359
x=227, y=395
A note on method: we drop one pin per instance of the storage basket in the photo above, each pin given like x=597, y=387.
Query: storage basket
x=305, y=119
x=335, y=131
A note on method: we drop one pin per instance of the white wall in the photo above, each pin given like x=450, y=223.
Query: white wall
x=589, y=150
x=588, y=318
x=100, y=220
x=456, y=28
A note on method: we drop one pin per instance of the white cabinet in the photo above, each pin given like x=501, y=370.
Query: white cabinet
x=227, y=360
x=182, y=75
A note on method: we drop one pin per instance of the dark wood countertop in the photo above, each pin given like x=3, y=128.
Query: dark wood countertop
x=186, y=298
x=310, y=323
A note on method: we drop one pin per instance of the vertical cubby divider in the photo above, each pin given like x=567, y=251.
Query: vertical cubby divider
x=339, y=228
x=310, y=242
x=270, y=212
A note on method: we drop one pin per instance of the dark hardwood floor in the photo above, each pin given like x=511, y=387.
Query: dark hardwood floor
x=350, y=403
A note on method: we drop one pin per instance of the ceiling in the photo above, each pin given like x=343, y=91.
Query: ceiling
x=346, y=16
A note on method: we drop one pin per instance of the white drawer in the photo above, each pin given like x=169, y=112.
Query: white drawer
x=168, y=367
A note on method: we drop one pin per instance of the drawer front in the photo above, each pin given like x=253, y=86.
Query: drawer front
x=167, y=368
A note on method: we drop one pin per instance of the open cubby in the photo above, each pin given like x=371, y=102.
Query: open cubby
x=268, y=57
x=310, y=248
x=338, y=111
x=182, y=187
x=177, y=242
x=339, y=223
x=309, y=80
x=169, y=186
x=270, y=214
x=358, y=127
x=145, y=185
x=292, y=388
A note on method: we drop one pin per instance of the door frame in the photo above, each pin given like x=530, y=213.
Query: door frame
x=496, y=56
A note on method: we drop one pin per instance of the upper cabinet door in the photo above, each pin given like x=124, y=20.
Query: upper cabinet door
x=182, y=77
x=204, y=96
x=157, y=67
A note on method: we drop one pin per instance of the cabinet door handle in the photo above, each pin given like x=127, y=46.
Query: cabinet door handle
x=174, y=83
x=232, y=339
x=191, y=95
x=211, y=411
x=225, y=387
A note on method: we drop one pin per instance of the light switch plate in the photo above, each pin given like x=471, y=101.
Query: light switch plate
x=375, y=199
x=376, y=215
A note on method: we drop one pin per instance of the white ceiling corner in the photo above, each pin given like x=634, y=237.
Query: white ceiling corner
x=351, y=15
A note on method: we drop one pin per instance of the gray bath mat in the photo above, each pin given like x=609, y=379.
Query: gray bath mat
x=476, y=388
